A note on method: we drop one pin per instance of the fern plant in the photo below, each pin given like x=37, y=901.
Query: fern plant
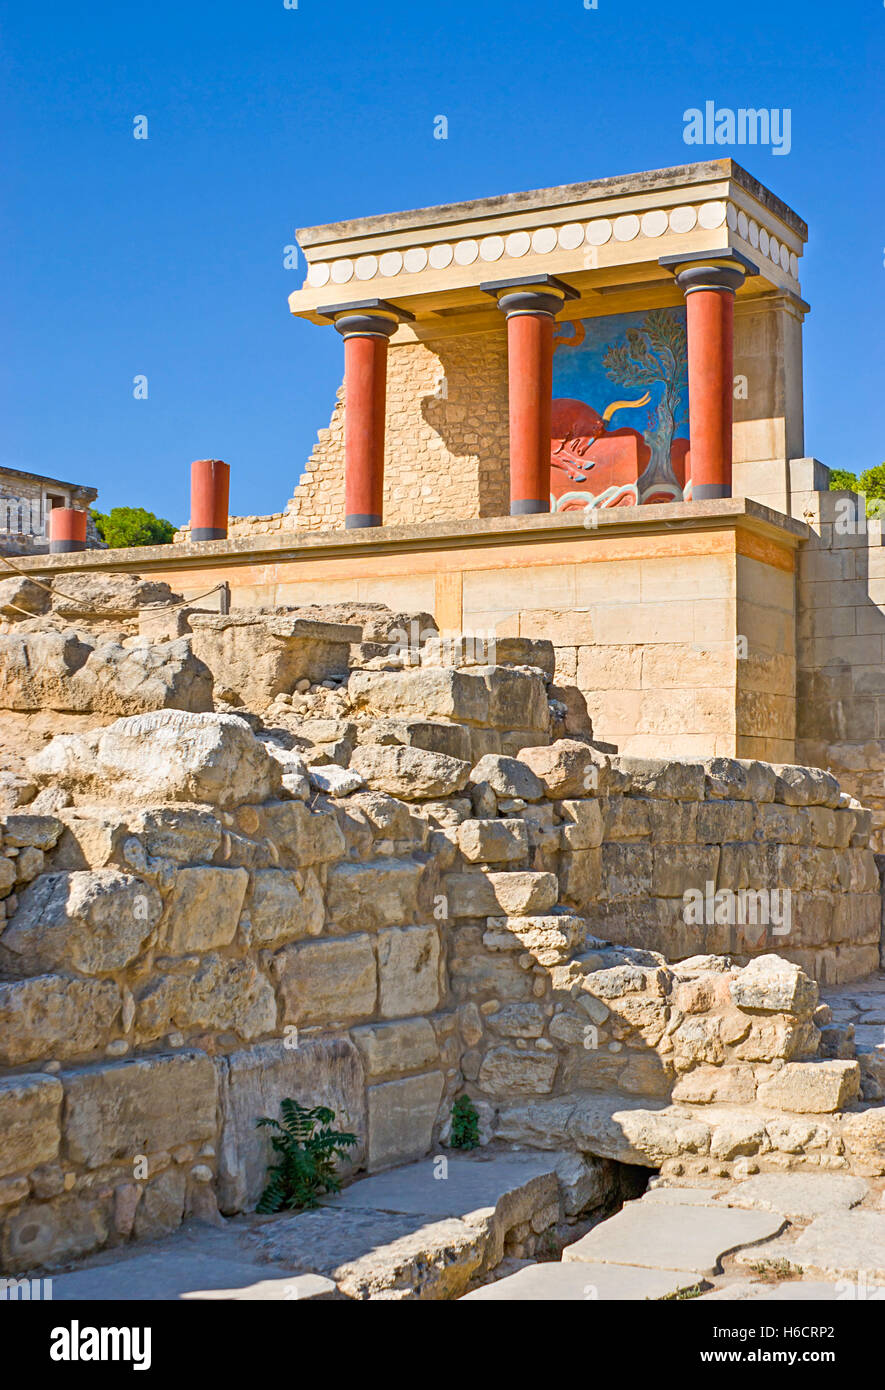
x=307, y=1148
x=465, y=1124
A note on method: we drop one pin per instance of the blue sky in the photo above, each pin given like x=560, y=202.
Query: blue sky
x=164, y=257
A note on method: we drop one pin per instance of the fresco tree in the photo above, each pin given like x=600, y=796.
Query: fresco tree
x=655, y=354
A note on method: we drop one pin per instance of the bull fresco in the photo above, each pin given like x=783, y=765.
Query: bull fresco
x=620, y=411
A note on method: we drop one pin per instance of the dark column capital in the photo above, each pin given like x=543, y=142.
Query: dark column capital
x=711, y=270
x=530, y=294
x=366, y=318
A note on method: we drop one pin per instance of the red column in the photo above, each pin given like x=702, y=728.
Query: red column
x=709, y=289
x=366, y=334
x=210, y=492
x=530, y=307
x=67, y=530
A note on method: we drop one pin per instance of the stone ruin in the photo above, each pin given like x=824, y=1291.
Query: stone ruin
x=326, y=853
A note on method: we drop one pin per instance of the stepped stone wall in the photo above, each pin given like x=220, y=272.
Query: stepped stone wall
x=377, y=879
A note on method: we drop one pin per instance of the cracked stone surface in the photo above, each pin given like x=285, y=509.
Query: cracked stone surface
x=798, y=1196
x=584, y=1281
x=673, y=1237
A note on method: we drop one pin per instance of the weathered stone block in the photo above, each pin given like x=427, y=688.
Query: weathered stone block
x=373, y=894
x=410, y=773
x=90, y=921
x=666, y=778
x=53, y=1016
x=221, y=995
x=508, y=777
x=773, y=985
x=627, y=870
x=402, y=1115
x=567, y=768
x=278, y=910
x=720, y=821
x=253, y=1082
x=509, y=1071
x=327, y=981
x=583, y=825
x=203, y=909
x=30, y=1112
x=680, y=868
x=302, y=837
x=812, y=1088
x=165, y=756
x=145, y=1107
x=493, y=841
x=390, y=1049
x=409, y=970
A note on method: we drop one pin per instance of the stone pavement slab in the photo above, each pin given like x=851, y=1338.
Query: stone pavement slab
x=185, y=1274
x=583, y=1281
x=843, y=1244
x=681, y=1196
x=791, y=1291
x=798, y=1196
x=679, y=1237
x=469, y=1185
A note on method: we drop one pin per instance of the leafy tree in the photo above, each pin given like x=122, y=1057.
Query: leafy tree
x=123, y=526
x=841, y=478
x=871, y=485
x=306, y=1166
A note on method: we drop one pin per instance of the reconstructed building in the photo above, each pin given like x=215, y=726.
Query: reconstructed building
x=26, y=499
x=577, y=413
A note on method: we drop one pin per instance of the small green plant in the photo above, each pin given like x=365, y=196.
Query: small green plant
x=465, y=1124
x=307, y=1149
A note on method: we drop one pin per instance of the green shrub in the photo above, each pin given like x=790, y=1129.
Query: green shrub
x=307, y=1149
x=465, y=1124
x=124, y=526
x=841, y=478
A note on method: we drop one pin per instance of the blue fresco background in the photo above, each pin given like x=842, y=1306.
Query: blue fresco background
x=578, y=372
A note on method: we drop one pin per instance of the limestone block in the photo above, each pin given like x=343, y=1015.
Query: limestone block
x=567, y=768
x=280, y=910
x=680, y=868
x=409, y=970
x=185, y=834
x=99, y=594
x=773, y=985
x=161, y=1208
x=203, y=909
x=133, y=680
x=627, y=870
x=145, y=1106
x=389, y=818
x=165, y=756
x=375, y=893
x=739, y=779
x=580, y=877
x=433, y=735
x=483, y=895
x=517, y=699
x=392, y=1049
x=253, y=1082
x=582, y=826
x=301, y=836
x=863, y=1134
x=24, y=829
x=402, y=1115
x=30, y=1113
x=509, y=1071
x=92, y=921
x=410, y=773
x=327, y=981
x=19, y=593
x=663, y=778
x=805, y=786
x=706, y=1085
x=548, y=938
x=493, y=841
x=49, y=1233
x=507, y=777
x=424, y=692
x=812, y=1088
x=519, y=1021
x=220, y=995
x=54, y=1016
x=628, y=817
x=255, y=657
x=723, y=820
